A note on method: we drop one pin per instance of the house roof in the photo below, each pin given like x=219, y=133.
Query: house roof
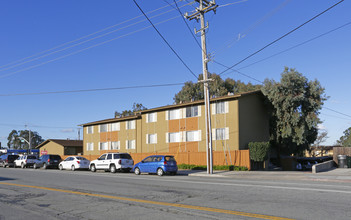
x=63, y=143
x=167, y=107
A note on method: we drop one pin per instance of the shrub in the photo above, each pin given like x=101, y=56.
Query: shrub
x=259, y=151
x=217, y=167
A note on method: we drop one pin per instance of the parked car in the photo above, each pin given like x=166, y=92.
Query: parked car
x=74, y=163
x=48, y=161
x=159, y=164
x=113, y=162
x=24, y=161
x=8, y=160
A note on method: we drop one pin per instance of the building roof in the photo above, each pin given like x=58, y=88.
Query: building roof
x=167, y=107
x=63, y=143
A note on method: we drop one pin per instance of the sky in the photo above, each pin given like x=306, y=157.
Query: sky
x=64, y=45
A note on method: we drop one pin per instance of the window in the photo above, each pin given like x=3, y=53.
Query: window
x=115, y=126
x=151, y=117
x=193, y=136
x=130, y=125
x=115, y=145
x=130, y=144
x=151, y=138
x=104, y=146
x=220, y=134
x=90, y=130
x=148, y=159
x=220, y=108
x=90, y=146
x=104, y=128
x=192, y=111
x=109, y=157
x=102, y=157
x=174, y=137
x=174, y=114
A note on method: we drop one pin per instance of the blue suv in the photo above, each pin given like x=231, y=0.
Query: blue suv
x=159, y=164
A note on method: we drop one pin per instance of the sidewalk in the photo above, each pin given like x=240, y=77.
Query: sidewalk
x=334, y=174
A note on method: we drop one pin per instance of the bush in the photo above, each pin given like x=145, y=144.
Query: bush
x=217, y=167
x=259, y=151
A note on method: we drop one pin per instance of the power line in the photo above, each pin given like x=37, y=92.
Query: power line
x=273, y=42
x=93, y=90
x=165, y=40
x=300, y=44
x=253, y=26
x=83, y=42
x=86, y=36
x=337, y=112
x=76, y=52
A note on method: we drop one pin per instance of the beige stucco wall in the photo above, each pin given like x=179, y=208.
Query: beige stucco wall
x=253, y=120
x=52, y=148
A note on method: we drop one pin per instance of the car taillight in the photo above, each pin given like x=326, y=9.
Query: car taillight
x=120, y=162
x=7, y=160
x=78, y=161
x=48, y=160
x=165, y=163
x=25, y=161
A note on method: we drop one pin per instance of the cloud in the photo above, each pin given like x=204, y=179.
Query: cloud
x=69, y=130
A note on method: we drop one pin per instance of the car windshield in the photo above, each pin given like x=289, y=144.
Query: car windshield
x=12, y=156
x=31, y=157
x=169, y=158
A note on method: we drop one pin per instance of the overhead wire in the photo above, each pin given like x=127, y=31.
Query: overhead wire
x=278, y=39
x=165, y=40
x=84, y=49
x=83, y=42
x=253, y=26
x=83, y=37
x=297, y=45
x=93, y=90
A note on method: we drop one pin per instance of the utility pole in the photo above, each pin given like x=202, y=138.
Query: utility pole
x=204, y=7
x=29, y=140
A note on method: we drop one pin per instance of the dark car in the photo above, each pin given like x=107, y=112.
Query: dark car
x=7, y=160
x=159, y=164
x=48, y=161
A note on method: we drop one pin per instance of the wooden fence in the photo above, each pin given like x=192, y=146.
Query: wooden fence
x=236, y=158
x=340, y=151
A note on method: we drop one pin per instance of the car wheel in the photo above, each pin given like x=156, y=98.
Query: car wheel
x=112, y=168
x=60, y=167
x=22, y=165
x=45, y=166
x=137, y=171
x=35, y=166
x=73, y=168
x=160, y=172
x=93, y=168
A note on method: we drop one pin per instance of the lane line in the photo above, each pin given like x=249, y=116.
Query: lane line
x=208, y=209
x=242, y=184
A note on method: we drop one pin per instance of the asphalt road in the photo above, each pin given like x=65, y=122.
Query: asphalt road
x=54, y=194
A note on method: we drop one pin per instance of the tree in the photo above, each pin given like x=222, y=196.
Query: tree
x=322, y=136
x=294, y=104
x=218, y=87
x=14, y=141
x=137, y=107
x=345, y=140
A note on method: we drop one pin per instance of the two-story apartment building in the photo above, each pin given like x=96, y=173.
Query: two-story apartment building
x=236, y=121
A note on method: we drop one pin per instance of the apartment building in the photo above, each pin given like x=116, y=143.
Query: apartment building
x=236, y=121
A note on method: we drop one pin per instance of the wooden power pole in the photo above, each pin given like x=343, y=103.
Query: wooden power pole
x=204, y=7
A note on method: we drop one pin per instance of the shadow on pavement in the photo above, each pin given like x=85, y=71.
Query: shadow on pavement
x=5, y=178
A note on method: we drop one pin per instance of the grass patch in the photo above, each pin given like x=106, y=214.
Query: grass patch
x=217, y=167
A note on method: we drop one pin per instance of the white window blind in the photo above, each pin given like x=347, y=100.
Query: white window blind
x=115, y=145
x=115, y=126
